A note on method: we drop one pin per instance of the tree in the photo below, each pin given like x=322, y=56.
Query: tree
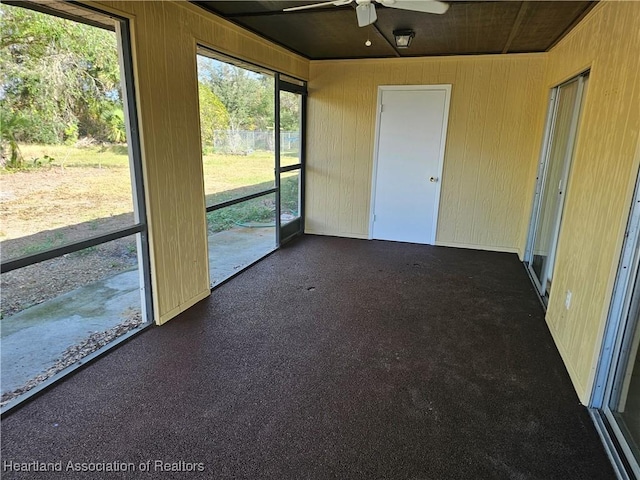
x=289, y=112
x=213, y=114
x=10, y=155
x=61, y=76
x=246, y=95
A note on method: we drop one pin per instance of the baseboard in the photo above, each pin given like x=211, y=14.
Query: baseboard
x=438, y=243
x=489, y=248
x=335, y=234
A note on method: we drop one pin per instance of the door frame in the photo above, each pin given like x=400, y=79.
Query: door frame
x=443, y=140
x=543, y=167
x=294, y=228
x=617, y=345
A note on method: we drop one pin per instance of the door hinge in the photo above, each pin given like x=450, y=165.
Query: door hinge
x=374, y=217
x=381, y=108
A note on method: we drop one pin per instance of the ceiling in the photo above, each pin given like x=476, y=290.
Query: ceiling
x=468, y=27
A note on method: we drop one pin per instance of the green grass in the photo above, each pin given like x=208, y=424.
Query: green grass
x=259, y=210
x=113, y=156
x=222, y=173
x=226, y=177
x=85, y=251
x=229, y=172
x=50, y=241
x=289, y=190
x=233, y=176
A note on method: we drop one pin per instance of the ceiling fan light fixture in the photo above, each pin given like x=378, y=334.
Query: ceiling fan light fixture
x=403, y=38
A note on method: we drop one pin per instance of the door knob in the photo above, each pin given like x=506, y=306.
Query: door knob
x=433, y=179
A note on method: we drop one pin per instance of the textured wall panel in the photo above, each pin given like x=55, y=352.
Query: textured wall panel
x=165, y=36
x=495, y=126
x=601, y=182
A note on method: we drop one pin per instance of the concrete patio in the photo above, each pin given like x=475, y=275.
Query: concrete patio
x=35, y=339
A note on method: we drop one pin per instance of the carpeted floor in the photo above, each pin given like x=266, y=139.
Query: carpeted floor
x=332, y=358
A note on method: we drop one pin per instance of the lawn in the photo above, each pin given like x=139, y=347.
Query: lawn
x=67, y=194
x=96, y=156
x=89, y=189
x=227, y=177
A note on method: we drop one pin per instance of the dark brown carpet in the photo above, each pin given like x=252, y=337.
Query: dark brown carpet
x=332, y=358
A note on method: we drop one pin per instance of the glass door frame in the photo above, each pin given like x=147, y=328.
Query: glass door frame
x=541, y=179
x=287, y=232
x=282, y=83
x=617, y=347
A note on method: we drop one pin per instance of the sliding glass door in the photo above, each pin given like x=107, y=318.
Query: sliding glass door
x=615, y=400
x=622, y=407
x=553, y=175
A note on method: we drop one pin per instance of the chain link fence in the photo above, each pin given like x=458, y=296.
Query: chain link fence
x=244, y=142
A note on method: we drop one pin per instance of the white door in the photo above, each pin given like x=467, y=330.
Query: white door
x=412, y=128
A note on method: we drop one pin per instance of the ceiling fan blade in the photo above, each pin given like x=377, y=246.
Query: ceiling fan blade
x=335, y=3
x=366, y=13
x=427, y=6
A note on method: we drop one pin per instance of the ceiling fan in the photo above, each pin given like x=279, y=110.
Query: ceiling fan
x=366, y=9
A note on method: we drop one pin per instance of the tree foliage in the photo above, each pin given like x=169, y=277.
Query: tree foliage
x=60, y=80
x=237, y=99
x=60, y=77
x=289, y=112
x=213, y=114
x=10, y=155
x=247, y=96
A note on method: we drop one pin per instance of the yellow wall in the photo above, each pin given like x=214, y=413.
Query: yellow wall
x=164, y=49
x=601, y=182
x=495, y=126
x=496, y=120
